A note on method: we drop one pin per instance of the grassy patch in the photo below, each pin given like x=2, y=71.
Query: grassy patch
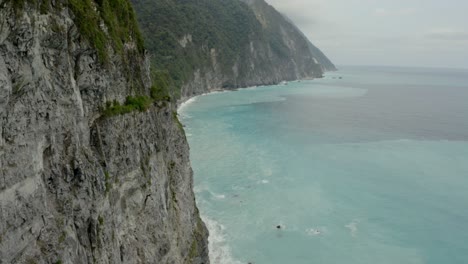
x=62, y=237
x=108, y=182
x=174, y=197
x=159, y=92
x=118, y=16
x=18, y=6
x=87, y=21
x=18, y=86
x=44, y=6
x=177, y=121
x=137, y=103
x=193, y=249
x=31, y=260
x=198, y=233
x=160, y=88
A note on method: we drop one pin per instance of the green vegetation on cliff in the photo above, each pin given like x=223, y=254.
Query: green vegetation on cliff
x=226, y=43
x=159, y=92
x=224, y=25
x=117, y=15
x=138, y=103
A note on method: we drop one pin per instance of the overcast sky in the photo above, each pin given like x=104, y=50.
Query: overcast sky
x=432, y=33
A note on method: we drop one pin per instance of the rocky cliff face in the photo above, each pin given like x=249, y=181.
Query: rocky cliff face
x=224, y=44
x=78, y=186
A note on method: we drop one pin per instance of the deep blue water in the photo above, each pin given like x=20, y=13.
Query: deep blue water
x=369, y=168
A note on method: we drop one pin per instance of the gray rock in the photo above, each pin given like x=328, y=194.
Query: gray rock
x=75, y=186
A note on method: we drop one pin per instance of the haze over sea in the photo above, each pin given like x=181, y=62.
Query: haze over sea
x=370, y=168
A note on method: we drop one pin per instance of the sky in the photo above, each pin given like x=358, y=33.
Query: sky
x=421, y=33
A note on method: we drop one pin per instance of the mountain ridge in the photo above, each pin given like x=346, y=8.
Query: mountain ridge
x=249, y=43
x=322, y=59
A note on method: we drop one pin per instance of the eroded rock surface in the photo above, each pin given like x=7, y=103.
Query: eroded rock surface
x=77, y=186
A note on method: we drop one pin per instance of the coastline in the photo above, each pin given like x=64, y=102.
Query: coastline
x=341, y=161
x=181, y=103
x=220, y=252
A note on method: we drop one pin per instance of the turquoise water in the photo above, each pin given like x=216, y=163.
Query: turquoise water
x=370, y=168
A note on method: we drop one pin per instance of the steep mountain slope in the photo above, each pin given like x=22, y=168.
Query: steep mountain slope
x=213, y=44
x=323, y=60
x=94, y=167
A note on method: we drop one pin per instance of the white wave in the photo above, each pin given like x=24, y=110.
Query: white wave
x=219, y=250
x=218, y=196
x=252, y=87
x=316, y=231
x=313, y=232
x=182, y=107
x=199, y=188
x=216, y=92
x=353, y=227
x=264, y=182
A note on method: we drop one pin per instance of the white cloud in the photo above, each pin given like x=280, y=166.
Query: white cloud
x=407, y=11
x=381, y=12
x=447, y=34
x=395, y=12
x=387, y=32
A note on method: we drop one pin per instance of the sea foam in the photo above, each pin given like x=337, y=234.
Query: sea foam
x=220, y=252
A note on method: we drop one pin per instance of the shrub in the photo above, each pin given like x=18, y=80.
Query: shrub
x=160, y=88
x=118, y=16
x=138, y=103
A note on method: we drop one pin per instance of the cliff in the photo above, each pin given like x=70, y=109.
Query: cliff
x=224, y=44
x=94, y=166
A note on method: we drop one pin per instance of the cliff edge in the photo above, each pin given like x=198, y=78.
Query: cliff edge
x=94, y=167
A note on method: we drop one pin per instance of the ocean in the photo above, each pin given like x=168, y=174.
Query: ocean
x=366, y=165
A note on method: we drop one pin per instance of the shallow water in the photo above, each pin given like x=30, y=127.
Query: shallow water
x=370, y=168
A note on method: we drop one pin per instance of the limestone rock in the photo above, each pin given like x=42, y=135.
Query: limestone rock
x=76, y=186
